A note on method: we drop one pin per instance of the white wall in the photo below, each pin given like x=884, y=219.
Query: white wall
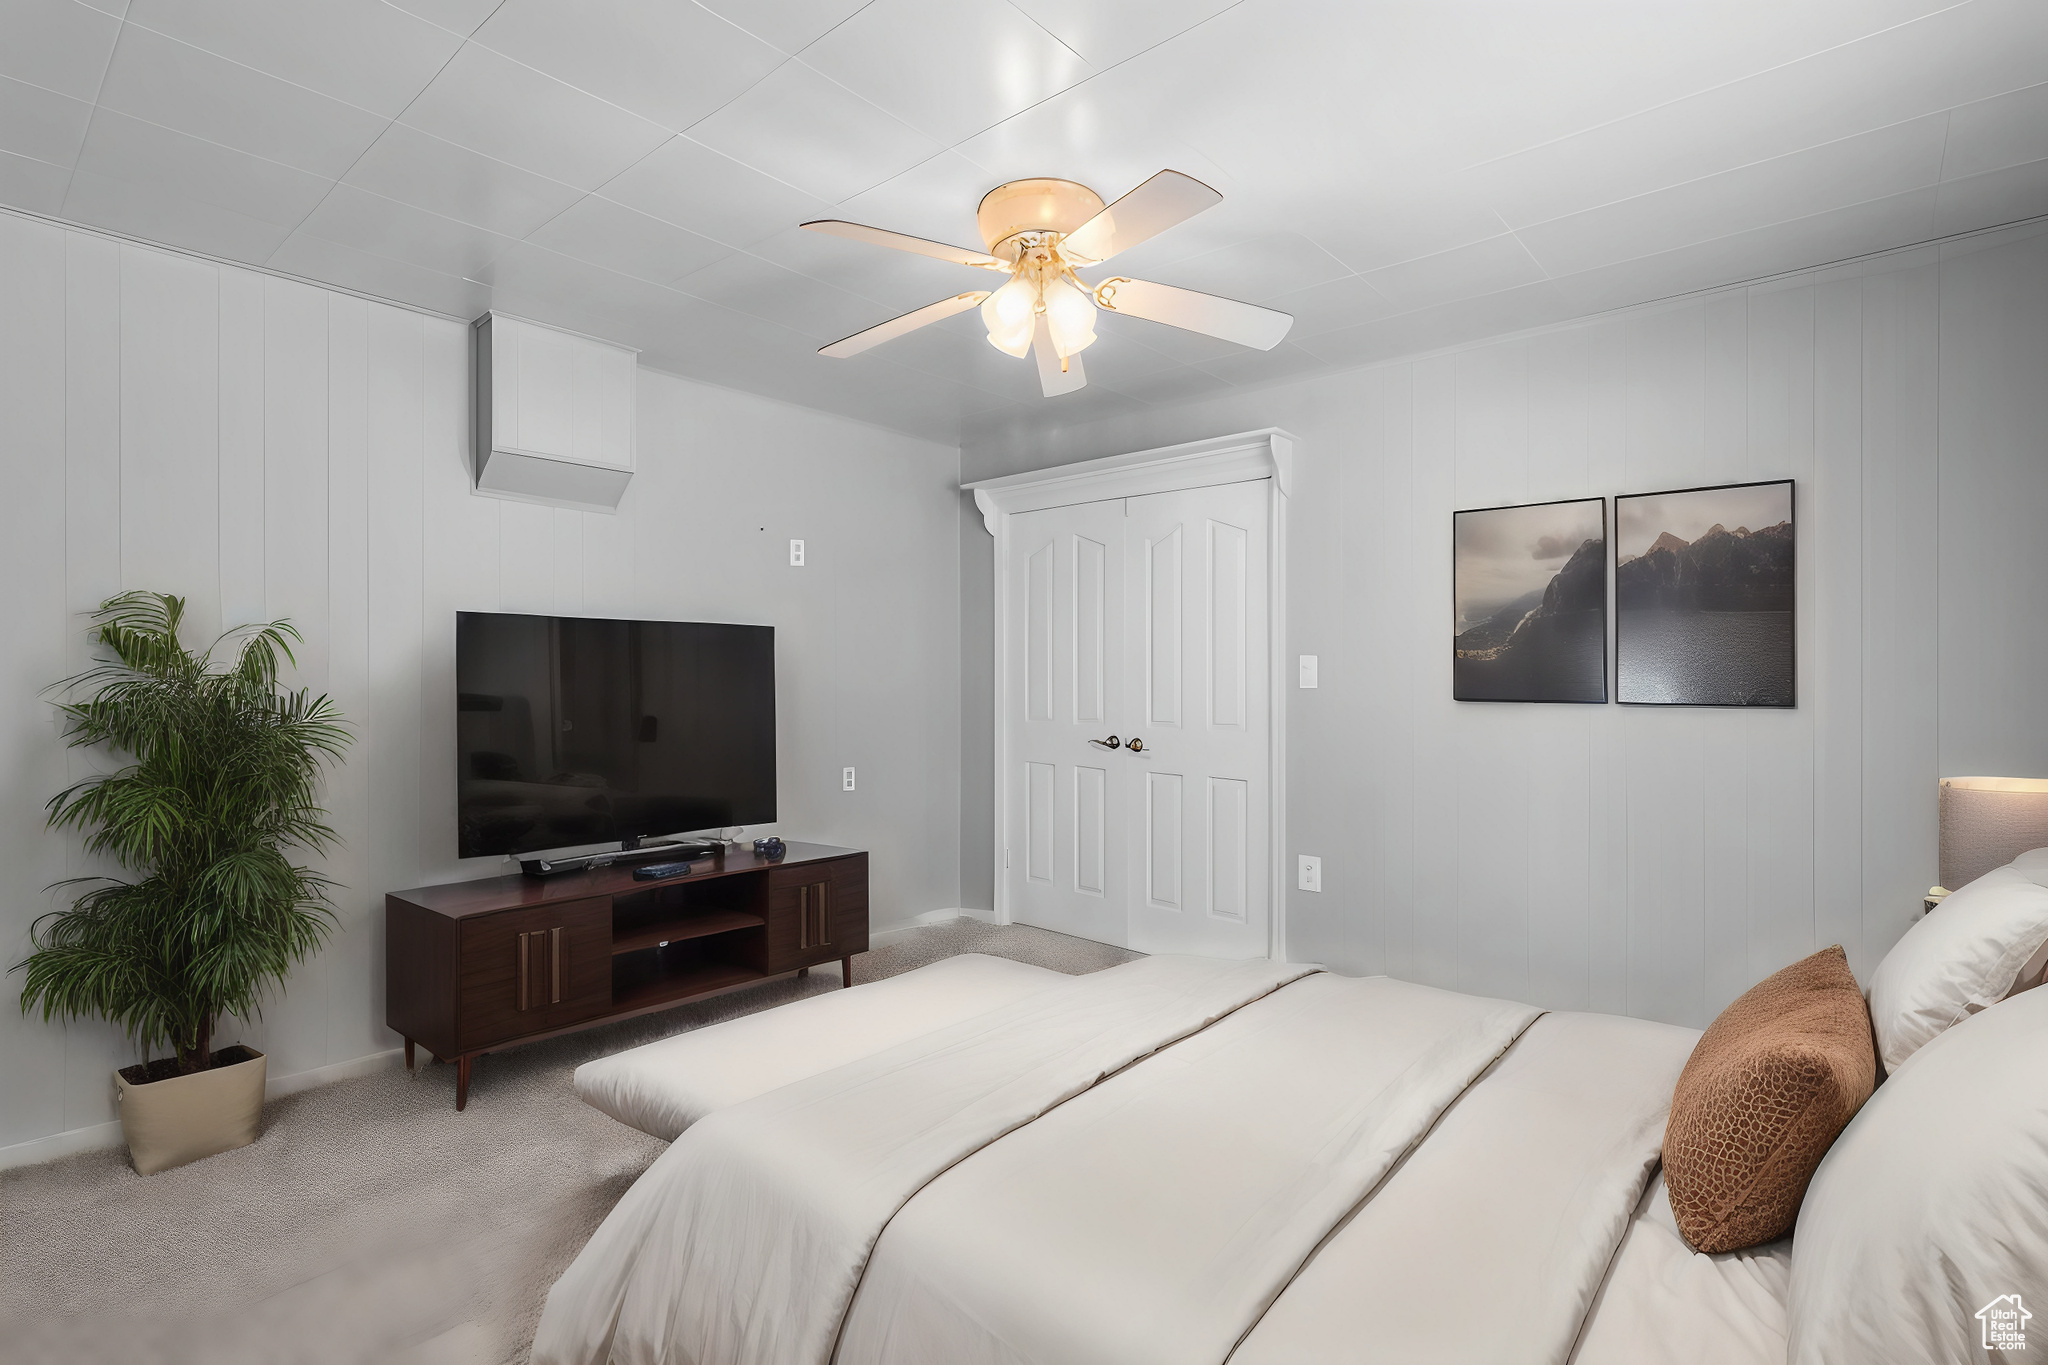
x=265, y=448
x=1642, y=860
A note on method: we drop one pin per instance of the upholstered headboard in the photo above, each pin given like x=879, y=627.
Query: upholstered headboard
x=1986, y=822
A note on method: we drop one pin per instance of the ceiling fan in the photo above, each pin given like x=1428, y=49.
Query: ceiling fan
x=1039, y=232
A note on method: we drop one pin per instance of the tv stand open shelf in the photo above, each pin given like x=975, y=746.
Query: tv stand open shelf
x=476, y=967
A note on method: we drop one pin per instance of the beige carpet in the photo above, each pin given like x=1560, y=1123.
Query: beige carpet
x=371, y=1222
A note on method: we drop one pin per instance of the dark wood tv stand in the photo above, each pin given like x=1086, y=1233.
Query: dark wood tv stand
x=477, y=967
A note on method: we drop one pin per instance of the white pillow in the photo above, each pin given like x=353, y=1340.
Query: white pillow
x=1932, y=1206
x=1968, y=952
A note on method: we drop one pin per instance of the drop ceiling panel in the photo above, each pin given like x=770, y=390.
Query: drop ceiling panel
x=622, y=239
x=354, y=217
x=41, y=123
x=364, y=52
x=1396, y=177
x=180, y=86
x=57, y=44
x=515, y=114
x=669, y=62
x=688, y=184
x=810, y=132
x=1007, y=63
x=419, y=169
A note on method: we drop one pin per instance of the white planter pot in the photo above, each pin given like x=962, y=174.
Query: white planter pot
x=171, y=1122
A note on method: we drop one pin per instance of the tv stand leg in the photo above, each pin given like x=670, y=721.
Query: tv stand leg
x=408, y=1054
x=802, y=972
x=461, y=1082
x=845, y=971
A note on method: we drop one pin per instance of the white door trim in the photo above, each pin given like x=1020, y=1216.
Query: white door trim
x=1264, y=454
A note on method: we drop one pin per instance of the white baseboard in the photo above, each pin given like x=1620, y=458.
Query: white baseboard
x=96, y=1136
x=878, y=937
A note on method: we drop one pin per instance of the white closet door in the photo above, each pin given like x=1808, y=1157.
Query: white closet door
x=1201, y=696
x=1142, y=618
x=1065, y=846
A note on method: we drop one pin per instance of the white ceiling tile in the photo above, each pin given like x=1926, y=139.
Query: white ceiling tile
x=37, y=186
x=2005, y=195
x=618, y=238
x=688, y=184
x=174, y=220
x=1284, y=362
x=1383, y=222
x=2007, y=131
x=815, y=134
x=1254, y=270
x=40, y=123
x=180, y=86
x=161, y=161
x=1469, y=319
x=766, y=290
x=949, y=67
x=1851, y=171
x=416, y=168
x=1480, y=268
x=506, y=110
x=457, y=16
x=1107, y=34
x=324, y=262
x=362, y=51
x=1181, y=384
x=791, y=25
x=1963, y=53
x=579, y=295
x=1329, y=306
x=353, y=217
x=117, y=8
x=57, y=44
x=669, y=62
x=1856, y=230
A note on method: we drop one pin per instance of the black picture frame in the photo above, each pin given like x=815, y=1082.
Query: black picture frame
x=1565, y=662
x=1670, y=647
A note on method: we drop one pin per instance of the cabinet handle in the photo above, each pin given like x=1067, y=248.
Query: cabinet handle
x=524, y=969
x=555, y=961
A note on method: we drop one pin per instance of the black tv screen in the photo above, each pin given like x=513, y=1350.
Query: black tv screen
x=571, y=731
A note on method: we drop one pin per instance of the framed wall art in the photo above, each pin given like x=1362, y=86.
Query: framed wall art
x=1529, y=592
x=1703, y=596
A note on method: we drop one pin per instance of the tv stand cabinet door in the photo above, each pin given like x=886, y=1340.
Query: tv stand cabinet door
x=527, y=971
x=814, y=910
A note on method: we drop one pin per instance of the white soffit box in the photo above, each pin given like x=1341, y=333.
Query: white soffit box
x=554, y=414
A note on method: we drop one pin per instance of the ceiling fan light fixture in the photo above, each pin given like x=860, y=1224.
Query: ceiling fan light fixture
x=1008, y=314
x=1069, y=316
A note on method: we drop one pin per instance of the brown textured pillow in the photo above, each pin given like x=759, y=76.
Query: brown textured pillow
x=1768, y=1088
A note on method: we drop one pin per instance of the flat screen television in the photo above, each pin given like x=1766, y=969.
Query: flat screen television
x=572, y=732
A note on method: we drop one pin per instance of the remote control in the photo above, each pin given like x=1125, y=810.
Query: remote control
x=652, y=872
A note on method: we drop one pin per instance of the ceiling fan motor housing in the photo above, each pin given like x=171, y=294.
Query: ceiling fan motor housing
x=1042, y=205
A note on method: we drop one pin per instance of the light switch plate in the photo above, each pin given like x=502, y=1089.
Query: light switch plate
x=846, y=779
x=796, y=554
x=1308, y=872
x=1308, y=670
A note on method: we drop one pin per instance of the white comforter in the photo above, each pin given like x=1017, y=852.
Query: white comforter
x=1260, y=1191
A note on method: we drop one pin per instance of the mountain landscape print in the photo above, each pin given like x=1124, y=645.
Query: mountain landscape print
x=1529, y=588
x=1703, y=589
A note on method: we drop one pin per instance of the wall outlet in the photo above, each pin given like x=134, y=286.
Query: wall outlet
x=1308, y=670
x=1308, y=874
x=796, y=554
x=846, y=779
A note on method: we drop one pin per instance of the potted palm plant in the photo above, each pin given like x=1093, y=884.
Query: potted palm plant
x=204, y=821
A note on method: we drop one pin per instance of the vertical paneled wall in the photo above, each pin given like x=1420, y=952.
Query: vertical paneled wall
x=264, y=448
x=1645, y=860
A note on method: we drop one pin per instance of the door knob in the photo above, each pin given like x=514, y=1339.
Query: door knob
x=1137, y=746
x=1111, y=743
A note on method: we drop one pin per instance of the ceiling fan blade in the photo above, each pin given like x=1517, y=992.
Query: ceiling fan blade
x=1243, y=323
x=861, y=232
x=1051, y=379
x=1166, y=199
x=896, y=327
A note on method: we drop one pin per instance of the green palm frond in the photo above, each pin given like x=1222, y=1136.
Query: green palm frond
x=224, y=782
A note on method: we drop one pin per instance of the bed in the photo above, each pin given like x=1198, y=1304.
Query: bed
x=1173, y=1160
x=1183, y=1160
